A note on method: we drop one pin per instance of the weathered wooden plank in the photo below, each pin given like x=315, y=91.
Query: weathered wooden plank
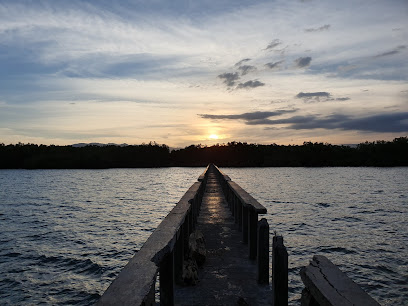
x=330, y=286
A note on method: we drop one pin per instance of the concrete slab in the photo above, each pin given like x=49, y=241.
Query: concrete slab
x=330, y=286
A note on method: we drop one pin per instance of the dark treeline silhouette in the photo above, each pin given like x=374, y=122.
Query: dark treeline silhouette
x=31, y=156
x=233, y=154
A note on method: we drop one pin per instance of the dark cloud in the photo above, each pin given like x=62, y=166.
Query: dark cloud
x=248, y=116
x=245, y=69
x=302, y=62
x=325, y=27
x=274, y=65
x=392, y=52
x=318, y=97
x=273, y=44
x=242, y=61
x=310, y=95
x=229, y=78
x=250, y=84
x=382, y=123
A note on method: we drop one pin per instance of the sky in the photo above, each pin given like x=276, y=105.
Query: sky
x=185, y=72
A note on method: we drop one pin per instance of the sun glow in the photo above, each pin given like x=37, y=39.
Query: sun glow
x=213, y=136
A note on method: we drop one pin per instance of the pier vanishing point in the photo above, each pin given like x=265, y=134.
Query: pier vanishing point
x=212, y=249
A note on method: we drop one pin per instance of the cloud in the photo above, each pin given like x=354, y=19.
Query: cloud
x=381, y=123
x=242, y=61
x=229, y=78
x=273, y=44
x=248, y=116
x=302, y=62
x=392, y=52
x=274, y=65
x=318, y=97
x=310, y=95
x=250, y=84
x=325, y=27
x=245, y=69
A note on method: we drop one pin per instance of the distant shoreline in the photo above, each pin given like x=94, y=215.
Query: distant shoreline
x=234, y=154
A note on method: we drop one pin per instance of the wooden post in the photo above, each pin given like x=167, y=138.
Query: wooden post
x=263, y=252
x=253, y=233
x=245, y=221
x=167, y=280
x=279, y=272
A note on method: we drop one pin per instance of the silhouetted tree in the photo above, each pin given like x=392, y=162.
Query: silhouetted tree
x=232, y=154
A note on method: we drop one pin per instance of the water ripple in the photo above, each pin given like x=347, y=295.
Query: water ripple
x=354, y=216
x=66, y=234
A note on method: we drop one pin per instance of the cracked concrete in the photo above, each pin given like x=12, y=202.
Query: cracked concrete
x=330, y=286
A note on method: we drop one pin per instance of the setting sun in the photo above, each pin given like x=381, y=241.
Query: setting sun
x=213, y=136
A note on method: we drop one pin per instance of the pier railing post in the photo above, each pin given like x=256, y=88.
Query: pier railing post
x=236, y=210
x=253, y=233
x=190, y=221
x=263, y=252
x=240, y=207
x=149, y=299
x=245, y=222
x=167, y=280
x=185, y=235
x=232, y=205
x=179, y=257
x=279, y=272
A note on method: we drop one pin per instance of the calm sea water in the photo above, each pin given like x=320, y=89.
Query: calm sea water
x=66, y=234
x=357, y=217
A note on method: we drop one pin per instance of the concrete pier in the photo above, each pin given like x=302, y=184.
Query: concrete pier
x=228, y=276
x=235, y=263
